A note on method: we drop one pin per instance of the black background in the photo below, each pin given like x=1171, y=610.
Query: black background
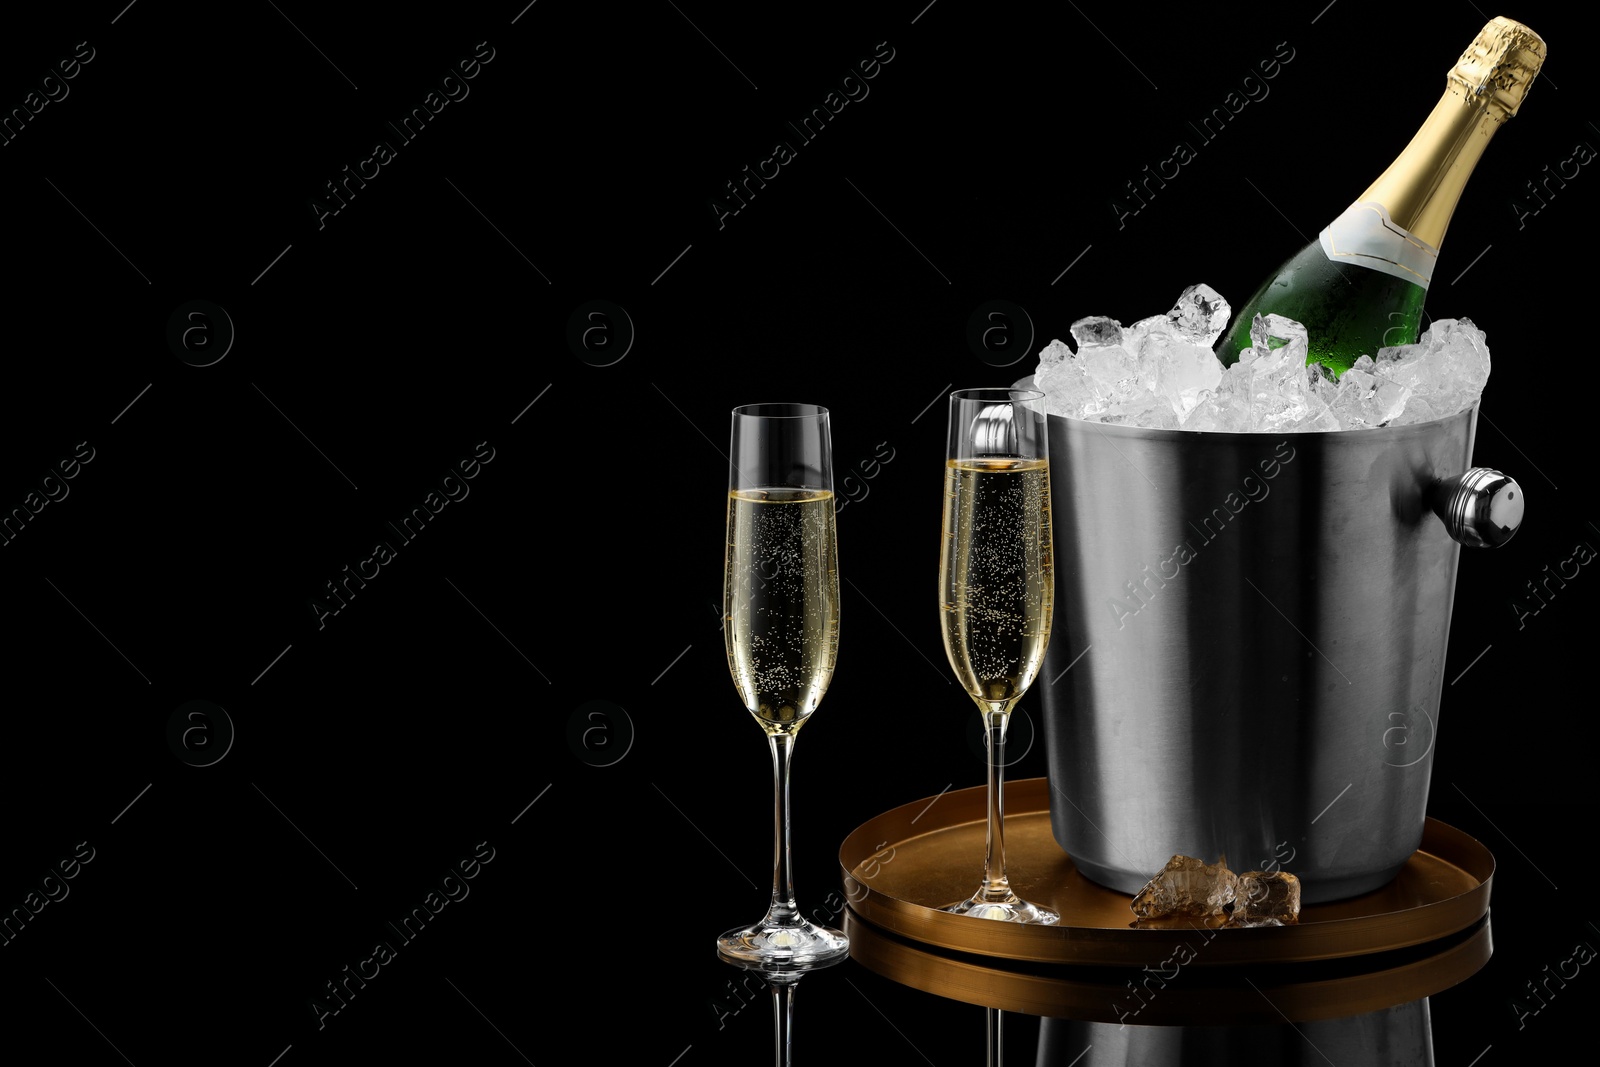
x=377, y=348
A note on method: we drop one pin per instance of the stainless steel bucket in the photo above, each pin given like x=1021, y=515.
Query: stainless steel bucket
x=1249, y=643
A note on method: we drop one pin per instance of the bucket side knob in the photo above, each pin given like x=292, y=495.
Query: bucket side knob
x=1481, y=509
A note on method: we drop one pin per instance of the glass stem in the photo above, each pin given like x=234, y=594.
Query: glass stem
x=995, y=885
x=992, y=1032
x=783, y=1023
x=783, y=911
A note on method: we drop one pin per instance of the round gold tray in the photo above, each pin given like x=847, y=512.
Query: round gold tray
x=1174, y=996
x=902, y=866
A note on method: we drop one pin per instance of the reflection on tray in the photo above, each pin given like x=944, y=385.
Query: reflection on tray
x=1172, y=993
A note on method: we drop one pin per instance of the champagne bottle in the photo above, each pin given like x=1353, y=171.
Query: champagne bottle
x=1360, y=285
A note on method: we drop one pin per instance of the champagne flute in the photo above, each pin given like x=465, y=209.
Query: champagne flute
x=781, y=628
x=997, y=591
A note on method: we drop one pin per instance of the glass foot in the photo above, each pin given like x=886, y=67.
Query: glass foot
x=768, y=944
x=1010, y=908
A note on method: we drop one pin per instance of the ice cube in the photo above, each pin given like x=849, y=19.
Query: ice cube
x=1266, y=898
x=1112, y=370
x=1289, y=334
x=1288, y=406
x=1067, y=389
x=1418, y=409
x=1133, y=337
x=1187, y=887
x=1223, y=410
x=1096, y=330
x=1447, y=367
x=1052, y=354
x=1363, y=398
x=1140, y=408
x=1200, y=315
x=1121, y=395
x=1179, y=370
x=1282, y=390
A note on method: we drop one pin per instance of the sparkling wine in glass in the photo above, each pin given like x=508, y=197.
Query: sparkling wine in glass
x=997, y=591
x=781, y=627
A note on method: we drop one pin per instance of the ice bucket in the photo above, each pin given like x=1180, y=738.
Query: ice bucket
x=1249, y=643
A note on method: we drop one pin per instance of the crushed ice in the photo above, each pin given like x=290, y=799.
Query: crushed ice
x=1161, y=372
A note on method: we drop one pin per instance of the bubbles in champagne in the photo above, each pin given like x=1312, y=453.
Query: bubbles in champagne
x=781, y=597
x=996, y=579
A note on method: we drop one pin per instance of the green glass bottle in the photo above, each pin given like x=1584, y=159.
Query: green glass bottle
x=1360, y=285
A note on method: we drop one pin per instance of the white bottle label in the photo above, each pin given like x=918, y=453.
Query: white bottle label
x=1364, y=234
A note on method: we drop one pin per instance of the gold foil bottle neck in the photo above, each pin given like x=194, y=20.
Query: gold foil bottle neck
x=1498, y=66
x=1487, y=85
